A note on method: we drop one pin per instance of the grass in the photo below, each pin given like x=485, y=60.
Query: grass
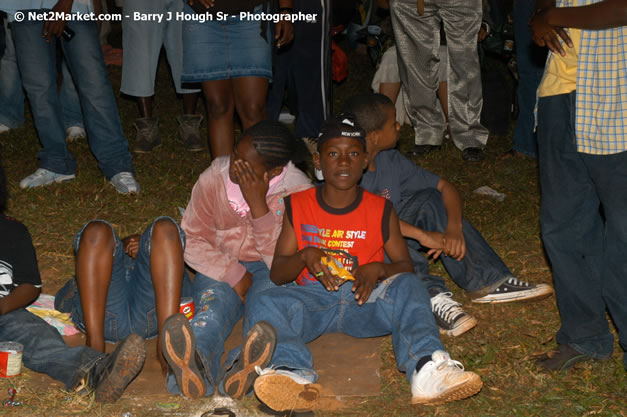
x=501, y=349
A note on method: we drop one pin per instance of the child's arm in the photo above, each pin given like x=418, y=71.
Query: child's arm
x=453, y=240
x=367, y=276
x=288, y=261
x=603, y=15
x=22, y=296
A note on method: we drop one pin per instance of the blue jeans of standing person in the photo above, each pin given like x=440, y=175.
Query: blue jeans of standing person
x=530, y=59
x=37, y=62
x=44, y=348
x=584, y=229
x=399, y=305
x=218, y=308
x=131, y=305
x=12, y=94
x=481, y=270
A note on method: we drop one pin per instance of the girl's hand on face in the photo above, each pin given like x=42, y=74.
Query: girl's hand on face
x=254, y=187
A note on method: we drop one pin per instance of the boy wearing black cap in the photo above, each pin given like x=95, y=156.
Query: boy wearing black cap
x=342, y=224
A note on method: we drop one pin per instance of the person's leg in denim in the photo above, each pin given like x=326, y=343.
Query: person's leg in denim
x=530, y=59
x=72, y=114
x=37, y=63
x=11, y=92
x=44, y=349
x=573, y=232
x=100, y=112
x=399, y=305
x=481, y=270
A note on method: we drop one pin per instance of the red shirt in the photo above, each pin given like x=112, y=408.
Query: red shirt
x=354, y=235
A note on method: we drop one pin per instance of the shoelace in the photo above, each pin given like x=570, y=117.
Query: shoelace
x=265, y=371
x=446, y=307
x=517, y=282
x=449, y=363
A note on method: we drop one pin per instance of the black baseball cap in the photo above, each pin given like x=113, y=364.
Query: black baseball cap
x=342, y=125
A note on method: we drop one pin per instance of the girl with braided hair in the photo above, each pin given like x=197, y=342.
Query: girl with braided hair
x=232, y=223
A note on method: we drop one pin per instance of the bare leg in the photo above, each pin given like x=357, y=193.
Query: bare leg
x=443, y=96
x=250, y=99
x=144, y=105
x=390, y=90
x=94, y=264
x=220, y=108
x=166, y=269
x=190, y=102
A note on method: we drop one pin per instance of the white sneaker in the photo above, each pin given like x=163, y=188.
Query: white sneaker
x=125, y=183
x=4, y=128
x=75, y=133
x=43, y=177
x=284, y=390
x=443, y=380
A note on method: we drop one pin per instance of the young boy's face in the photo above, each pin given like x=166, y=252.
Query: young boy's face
x=342, y=161
x=389, y=133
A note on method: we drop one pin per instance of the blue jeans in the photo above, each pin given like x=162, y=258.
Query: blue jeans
x=399, y=305
x=481, y=270
x=587, y=248
x=530, y=58
x=131, y=306
x=44, y=348
x=37, y=62
x=218, y=308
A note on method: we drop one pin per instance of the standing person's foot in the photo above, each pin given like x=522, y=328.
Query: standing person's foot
x=189, y=132
x=284, y=390
x=257, y=350
x=561, y=359
x=74, y=133
x=420, y=150
x=148, y=136
x=110, y=376
x=473, y=154
x=4, y=128
x=514, y=289
x=450, y=316
x=178, y=345
x=442, y=380
x=43, y=177
x=125, y=183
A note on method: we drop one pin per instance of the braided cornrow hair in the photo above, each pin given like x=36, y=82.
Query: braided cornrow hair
x=277, y=145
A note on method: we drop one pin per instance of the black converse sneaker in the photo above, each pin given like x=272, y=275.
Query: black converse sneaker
x=450, y=316
x=514, y=289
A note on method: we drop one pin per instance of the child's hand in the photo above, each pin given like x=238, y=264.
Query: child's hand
x=254, y=188
x=366, y=278
x=434, y=241
x=131, y=245
x=454, y=244
x=312, y=257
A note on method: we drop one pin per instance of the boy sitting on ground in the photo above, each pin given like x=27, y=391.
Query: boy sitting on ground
x=430, y=213
x=44, y=349
x=342, y=221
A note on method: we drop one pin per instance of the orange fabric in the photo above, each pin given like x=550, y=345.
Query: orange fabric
x=353, y=238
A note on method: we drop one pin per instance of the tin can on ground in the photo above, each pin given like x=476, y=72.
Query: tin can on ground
x=187, y=307
x=10, y=359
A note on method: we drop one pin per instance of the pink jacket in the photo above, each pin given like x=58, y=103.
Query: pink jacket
x=218, y=238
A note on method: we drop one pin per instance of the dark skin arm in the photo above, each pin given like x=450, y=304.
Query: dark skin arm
x=288, y=261
x=284, y=29
x=367, y=276
x=20, y=297
x=55, y=27
x=452, y=242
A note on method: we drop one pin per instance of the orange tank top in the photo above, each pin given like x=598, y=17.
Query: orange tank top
x=354, y=235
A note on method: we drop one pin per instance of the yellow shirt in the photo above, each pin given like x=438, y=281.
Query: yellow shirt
x=560, y=75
